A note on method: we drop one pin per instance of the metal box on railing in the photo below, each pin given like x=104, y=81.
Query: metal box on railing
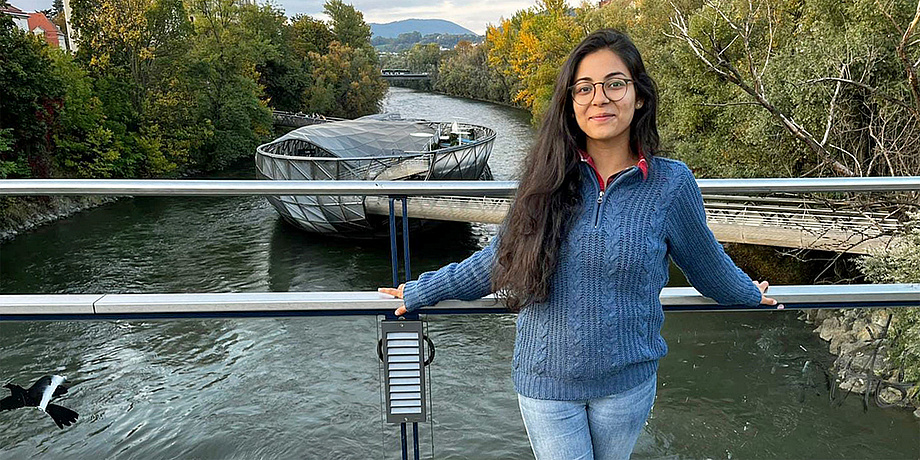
x=404, y=371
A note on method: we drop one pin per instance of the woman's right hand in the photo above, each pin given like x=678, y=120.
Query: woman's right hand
x=398, y=293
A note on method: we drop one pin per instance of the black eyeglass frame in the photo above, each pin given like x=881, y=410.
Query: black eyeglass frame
x=594, y=89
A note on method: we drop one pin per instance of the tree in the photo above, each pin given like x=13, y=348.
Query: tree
x=532, y=45
x=309, y=35
x=222, y=64
x=348, y=24
x=465, y=72
x=425, y=59
x=755, y=29
x=139, y=40
x=85, y=147
x=346, y=83
x=30, y=103
x=345, y=77
x=282, y=75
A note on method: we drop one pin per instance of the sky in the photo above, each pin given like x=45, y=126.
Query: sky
x=472, y=14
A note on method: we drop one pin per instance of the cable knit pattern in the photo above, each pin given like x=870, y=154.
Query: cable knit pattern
x=599, y=331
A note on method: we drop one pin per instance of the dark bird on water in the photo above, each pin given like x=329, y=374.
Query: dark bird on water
x=39, y=395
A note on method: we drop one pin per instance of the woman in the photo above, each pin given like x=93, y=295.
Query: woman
x=583, y=256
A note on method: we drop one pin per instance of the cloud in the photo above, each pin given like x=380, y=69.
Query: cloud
x=473, y=14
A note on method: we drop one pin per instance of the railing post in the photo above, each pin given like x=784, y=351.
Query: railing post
x=394, y=262
x=407, y=271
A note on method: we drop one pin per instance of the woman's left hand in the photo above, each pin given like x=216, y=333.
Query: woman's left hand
x=764, y=300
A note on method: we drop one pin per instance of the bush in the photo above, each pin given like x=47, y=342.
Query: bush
x=901, y=264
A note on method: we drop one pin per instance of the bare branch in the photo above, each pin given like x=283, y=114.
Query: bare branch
x=902, y=53
x=714, y=58
x=885, y=12
x=849, y=154
x=830, y=110
x=727, y=104
x=766, y=59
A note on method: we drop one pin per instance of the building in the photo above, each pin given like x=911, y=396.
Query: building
x=20, y=18
x=72, y=35
x=39, y=24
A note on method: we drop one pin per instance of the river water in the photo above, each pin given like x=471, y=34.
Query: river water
x=735, y=385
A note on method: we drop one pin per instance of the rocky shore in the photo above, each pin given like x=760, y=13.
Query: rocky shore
x=24, y=214
x=857, y=337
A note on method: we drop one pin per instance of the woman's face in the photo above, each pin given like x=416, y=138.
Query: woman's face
x=601, y=119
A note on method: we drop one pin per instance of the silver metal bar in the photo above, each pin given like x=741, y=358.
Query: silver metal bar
x=86, y=306
x=823, y=184
x=48, y=304
x=250, y=187
x=10, y=187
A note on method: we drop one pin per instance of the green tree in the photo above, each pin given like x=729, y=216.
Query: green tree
x=310, y=35
x=282, y=75
x=465, y=72
x=222, y=67
x=30, y=103
x=84, y=146
x=346, y=83
x=348, y=26
x=424, y=58
x=345, y=79
x=901, y=264
x=138, y=40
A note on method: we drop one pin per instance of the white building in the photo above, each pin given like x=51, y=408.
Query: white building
x=20, y=18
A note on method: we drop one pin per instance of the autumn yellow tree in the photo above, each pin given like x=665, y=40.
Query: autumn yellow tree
x=533, y=44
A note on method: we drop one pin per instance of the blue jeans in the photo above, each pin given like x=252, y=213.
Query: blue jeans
x=603, y=428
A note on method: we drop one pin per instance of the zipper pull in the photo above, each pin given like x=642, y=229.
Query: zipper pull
x=600, y=197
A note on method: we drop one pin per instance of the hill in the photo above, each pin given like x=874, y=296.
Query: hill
x=422, y=26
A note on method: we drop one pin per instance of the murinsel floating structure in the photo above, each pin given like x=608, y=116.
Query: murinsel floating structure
x=375, y=148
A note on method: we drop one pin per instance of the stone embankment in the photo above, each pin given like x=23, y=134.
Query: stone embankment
x=28, y=213
x=857, y=337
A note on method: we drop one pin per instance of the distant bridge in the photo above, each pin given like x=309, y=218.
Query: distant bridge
x=402, y=74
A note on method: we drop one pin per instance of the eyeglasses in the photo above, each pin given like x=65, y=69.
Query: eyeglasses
x=614, y=89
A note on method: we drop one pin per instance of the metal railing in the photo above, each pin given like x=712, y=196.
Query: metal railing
x=279, y=304
x=123, y=187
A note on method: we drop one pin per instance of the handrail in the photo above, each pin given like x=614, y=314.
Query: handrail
x=18, y=307
x=249, y=187
x=44, y=187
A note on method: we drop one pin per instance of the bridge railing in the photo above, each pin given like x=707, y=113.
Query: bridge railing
x=351, y=303
x=275, y=304
x=281, y=304
x=131, y=187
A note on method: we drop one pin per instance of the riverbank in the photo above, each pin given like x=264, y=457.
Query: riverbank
x=26, y=213
x=858, y=338
x=22, y=214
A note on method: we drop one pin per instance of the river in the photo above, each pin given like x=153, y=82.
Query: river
x=735, y=385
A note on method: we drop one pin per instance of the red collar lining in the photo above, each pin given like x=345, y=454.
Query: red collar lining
x=642, y=164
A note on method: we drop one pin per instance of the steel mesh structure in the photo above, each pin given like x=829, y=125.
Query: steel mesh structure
x=367, y=149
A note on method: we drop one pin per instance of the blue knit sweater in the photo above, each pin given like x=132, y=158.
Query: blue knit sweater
x=599, y=331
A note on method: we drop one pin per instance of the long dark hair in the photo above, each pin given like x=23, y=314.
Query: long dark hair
x=547, y=196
